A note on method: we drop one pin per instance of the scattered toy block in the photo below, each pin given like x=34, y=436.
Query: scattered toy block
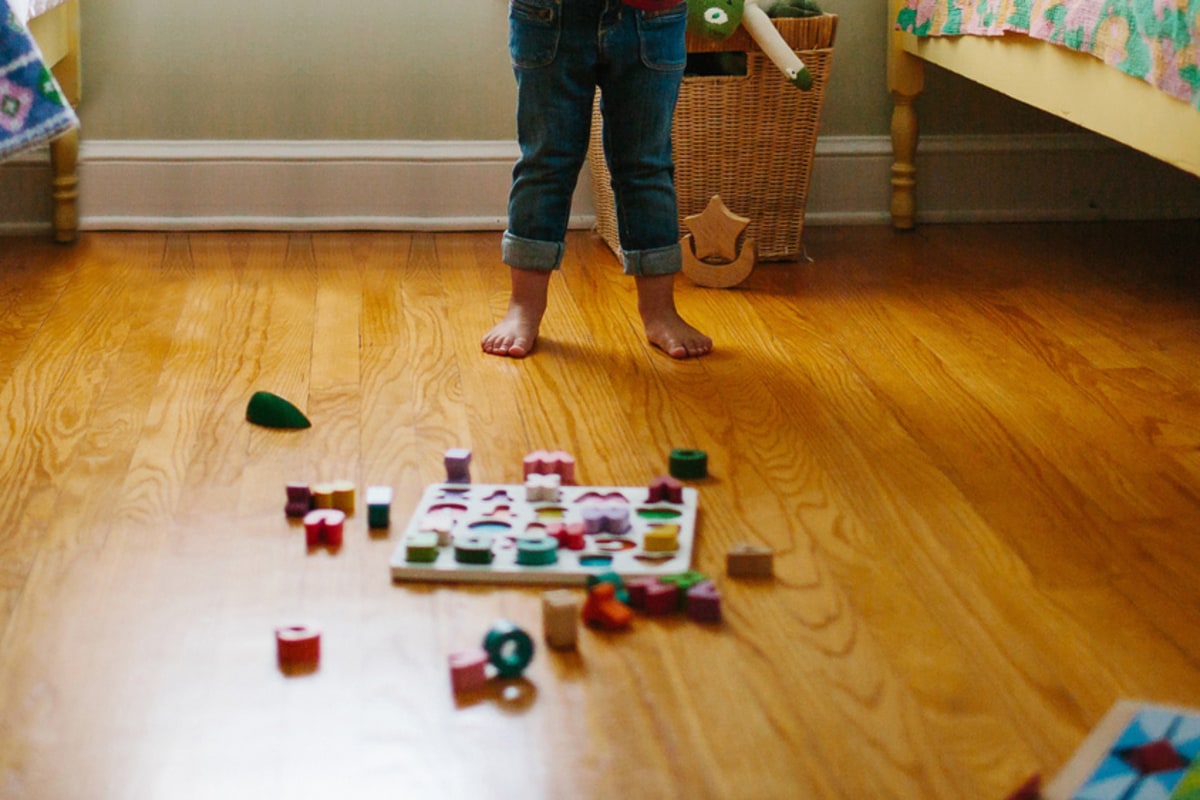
x=298, y=646
x=509, y=649
x=603, y=610
x=704, y=602
x=299, y=500
x=379, y=506
x=684, y=581
x=661, y=539
x=688, y=464
x=560, y=619
x=616, y=580
x=272, y=411
x=541, y=488
x=636, y=589
x=665, y=489
x=322, y=494
x=468, y=670
x=537, y=551
x=324, y=526
x=661, y=598
x=344, y=497
x=458, y=465
x=750, y=561
x=421, y=547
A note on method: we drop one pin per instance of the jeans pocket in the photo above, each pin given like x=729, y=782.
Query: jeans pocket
x=662, y=37
x=533, y=32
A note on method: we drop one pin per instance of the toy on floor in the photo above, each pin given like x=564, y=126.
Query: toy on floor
x=718, y=19
x=1138, y=751
x=298, y=647
x=710, y=254
x=272, y=411
x=750, y=561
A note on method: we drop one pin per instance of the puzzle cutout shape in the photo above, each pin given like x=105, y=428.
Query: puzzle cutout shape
x=492, y=533
x=1138, y=752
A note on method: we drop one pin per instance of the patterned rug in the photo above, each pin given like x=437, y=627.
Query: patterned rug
x=32, y=107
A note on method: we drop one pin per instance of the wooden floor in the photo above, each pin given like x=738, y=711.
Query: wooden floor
x=975, y=449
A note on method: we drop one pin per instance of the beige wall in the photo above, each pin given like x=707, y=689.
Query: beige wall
x=399, y=70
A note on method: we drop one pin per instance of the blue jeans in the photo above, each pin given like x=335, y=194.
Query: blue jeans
x=561, y=51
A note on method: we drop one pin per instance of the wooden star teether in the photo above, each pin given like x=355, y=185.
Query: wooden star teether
x=710, y=255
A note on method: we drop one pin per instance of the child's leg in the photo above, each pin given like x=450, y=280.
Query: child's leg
x=553, y=49
x=514, y=335
x=639, y=86
x=665, y=329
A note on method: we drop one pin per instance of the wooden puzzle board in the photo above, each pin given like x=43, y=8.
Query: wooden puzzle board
x=502, y=510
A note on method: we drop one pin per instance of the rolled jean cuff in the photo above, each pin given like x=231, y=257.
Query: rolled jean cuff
x=531, y=254
x=658, y=261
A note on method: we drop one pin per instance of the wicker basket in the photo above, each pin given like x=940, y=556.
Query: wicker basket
x=747, y=138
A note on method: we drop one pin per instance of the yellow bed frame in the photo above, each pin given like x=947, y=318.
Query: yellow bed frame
x=57, y=34
x=1075, y=86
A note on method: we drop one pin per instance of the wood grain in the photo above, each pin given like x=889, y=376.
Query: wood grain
x=975, y=451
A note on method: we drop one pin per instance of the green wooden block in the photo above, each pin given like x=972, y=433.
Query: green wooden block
x=272, y=411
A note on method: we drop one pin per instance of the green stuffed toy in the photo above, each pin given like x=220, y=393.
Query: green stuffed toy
x=718, y=19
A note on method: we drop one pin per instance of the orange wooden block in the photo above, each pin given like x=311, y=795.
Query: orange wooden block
x=604, y=610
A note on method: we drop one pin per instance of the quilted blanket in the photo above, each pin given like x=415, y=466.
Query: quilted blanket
x=32, y=107
x=1155, y=40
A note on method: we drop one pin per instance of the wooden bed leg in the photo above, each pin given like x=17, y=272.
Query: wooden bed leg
x=904, y=155
x=64, y=159
x=906, y=79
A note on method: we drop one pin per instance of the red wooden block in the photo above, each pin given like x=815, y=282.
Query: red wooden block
x=663, y=598
x=298, y=645
x=637, y=587
x=665, y=489
x=324, y=526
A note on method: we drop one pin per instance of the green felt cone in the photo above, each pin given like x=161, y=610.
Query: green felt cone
x=272, y=411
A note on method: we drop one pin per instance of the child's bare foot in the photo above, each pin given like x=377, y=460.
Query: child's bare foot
x=665, y=329
x=515, y=335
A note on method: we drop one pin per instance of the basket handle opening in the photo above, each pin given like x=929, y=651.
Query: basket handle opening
x=721, y=64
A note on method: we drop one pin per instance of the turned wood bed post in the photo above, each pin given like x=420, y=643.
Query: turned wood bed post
x=906, y=79
x=64, y=151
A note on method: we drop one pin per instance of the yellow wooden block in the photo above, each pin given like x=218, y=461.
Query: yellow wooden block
x=662, y=539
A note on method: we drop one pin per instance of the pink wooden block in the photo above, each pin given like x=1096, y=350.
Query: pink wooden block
x=468, y=670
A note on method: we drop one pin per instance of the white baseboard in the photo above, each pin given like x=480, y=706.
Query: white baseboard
x=385, y=185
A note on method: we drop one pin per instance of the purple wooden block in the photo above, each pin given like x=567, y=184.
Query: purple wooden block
x=704, y=602
x=299, y=500
x=458, y=465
